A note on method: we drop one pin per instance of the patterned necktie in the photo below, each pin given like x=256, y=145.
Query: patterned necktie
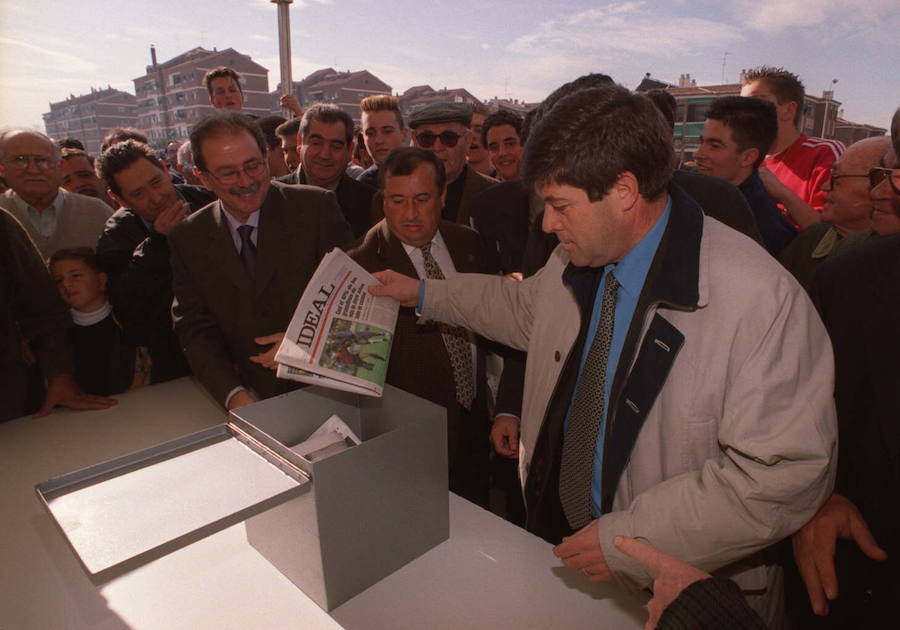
x=456, y=339
x=580, y=442
x=248, y=249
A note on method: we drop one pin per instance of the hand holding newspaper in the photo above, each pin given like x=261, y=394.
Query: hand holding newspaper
x=340, y=335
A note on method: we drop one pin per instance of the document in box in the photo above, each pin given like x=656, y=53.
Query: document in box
x=332, y=437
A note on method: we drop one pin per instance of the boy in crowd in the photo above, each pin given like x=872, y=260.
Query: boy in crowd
x=105, y=363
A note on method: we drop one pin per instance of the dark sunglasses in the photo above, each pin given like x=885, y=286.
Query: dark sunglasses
x=878, y=174
x=449, y=139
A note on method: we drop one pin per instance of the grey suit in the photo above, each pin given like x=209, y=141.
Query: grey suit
x=218, y=309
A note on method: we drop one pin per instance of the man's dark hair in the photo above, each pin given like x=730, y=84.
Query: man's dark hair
x=84, y=254
x=589, y=138
x=895, y=133
x=382, y=103
x=219, y=123
x=217, y=73
x=499, y=118
x=289, y=129
x=593, y=80
x=120, y=134
x=268, y=125
x=666, y=104
x=68, y=142
x=327, y=113
x=404, y=160
x=753, y=122
x=120, y=156
x=67, y=153
x=786, y=86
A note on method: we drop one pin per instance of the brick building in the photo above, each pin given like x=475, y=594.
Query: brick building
x=90, y=116
x=344, y=89
x=171, y=97
x=849, y=132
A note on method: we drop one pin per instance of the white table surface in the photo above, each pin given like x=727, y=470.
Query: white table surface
x=489, y=574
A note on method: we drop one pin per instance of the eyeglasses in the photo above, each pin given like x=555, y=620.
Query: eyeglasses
x=232, y=176
x=878, y=174
x=833, y=178
x=449, y=139
x=21, y=162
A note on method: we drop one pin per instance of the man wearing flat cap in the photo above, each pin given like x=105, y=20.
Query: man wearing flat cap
x=443, y=129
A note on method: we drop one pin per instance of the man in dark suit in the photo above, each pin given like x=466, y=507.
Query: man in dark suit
x=849, y=553
x=326, y=139
x=240, y=264
x=441, y=364
x=134, y=249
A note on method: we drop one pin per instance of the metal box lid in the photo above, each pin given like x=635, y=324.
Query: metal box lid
x=127, y=511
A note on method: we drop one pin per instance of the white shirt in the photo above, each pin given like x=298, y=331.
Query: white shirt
x=442, y=257
x=234, y=224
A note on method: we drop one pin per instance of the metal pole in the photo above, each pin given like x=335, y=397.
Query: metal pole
x=284, y=49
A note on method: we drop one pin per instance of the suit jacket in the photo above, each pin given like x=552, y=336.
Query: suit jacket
x=500, y=214
x=79, y=223
x=136, y=259
x=219, y=309
x=354, y=198
x=419, y=360
x=858, y=295
x=476, y=183
x=30, y=310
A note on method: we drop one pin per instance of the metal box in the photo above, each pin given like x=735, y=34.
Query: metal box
x=334, y=526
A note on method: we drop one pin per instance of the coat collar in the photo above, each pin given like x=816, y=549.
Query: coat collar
x=390, y=249
x=677, y=274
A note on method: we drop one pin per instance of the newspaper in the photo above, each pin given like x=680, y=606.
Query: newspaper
x=340, y=335
x=333, y=437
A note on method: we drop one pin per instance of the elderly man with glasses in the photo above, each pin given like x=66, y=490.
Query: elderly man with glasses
x=846, y=215
x=240, y=264
x=54, y=218
x=444, y=129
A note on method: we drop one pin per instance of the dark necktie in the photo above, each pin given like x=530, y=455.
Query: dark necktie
x=456, y=340
x=248, y=249
x=580, y=442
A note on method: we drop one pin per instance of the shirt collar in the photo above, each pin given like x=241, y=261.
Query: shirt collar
x=56, y=205
x=437, y=243
x=631, y=271
x=234, y=224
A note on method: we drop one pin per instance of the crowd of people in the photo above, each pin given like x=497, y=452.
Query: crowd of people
x=698, y=356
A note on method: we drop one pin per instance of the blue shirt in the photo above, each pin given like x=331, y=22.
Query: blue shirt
x=630, y=273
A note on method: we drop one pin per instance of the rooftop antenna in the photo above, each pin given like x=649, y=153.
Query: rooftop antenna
x=724, y=57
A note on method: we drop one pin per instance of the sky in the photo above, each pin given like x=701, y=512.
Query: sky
x=522, y=50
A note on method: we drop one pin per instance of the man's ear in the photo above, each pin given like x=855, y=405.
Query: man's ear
x=103, y=278
x=202, y=177
x=119, y=199
x=626, y=190
x=749, y=156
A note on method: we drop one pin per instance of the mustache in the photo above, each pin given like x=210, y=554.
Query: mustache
x=244, y=190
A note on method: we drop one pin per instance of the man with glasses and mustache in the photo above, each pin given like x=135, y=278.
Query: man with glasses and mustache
x=240, y=264
x=443, y=129
x=849, y=553
x=846, y=215
x=53, y=217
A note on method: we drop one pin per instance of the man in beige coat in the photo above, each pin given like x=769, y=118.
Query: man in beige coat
x=719, y=435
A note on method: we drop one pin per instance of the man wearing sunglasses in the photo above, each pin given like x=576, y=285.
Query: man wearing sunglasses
x=849, y=553
x=443, y=129
x=53, y=217
x=240, y=264
x=846, y=215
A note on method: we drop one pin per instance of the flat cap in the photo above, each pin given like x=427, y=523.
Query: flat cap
x=441, y=113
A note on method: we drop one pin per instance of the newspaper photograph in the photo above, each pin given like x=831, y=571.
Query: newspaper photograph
x=340, y=335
